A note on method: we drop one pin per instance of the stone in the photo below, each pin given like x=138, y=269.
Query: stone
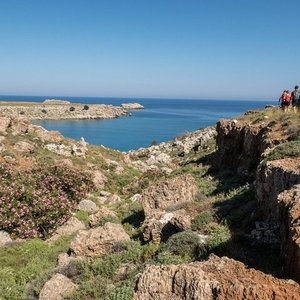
x=97, y=242
x=70, y=227
x=103, y=212
x=162, y=203
x=45, y=135
x=57, y=288
x=217, y=278
x=24, y=147
x=112, y=199
x=132, y=106
x=88, y=206
x=136, y=198
x=4, y=238
x=4, y=124
x=99, y=179
x=19, y=125
x=60, y=149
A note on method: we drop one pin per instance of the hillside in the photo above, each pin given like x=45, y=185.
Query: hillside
x=211, y=215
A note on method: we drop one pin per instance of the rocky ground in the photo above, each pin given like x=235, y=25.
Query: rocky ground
x=211, y=215
x=58, y=110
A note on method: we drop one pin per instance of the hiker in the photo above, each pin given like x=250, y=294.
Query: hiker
x=295, y=98
x=282, y=99
x=287, y=101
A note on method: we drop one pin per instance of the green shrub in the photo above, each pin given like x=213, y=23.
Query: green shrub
x=183, y=244
x=82, y=216
x=72, y=108
x=85, y=107
x=199, y=222
x=218, y=236
x=168, y=258
x=44, y=111
x=289, y=149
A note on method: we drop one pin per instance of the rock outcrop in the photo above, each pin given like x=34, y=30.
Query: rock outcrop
x=278, y=193
x=99, y=241
x=162, y=203
x=217, y=278
x=240, y=145
x=57, y=288
x=59, y=111
x=131, y=106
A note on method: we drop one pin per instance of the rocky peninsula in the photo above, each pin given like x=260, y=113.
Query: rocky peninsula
x=213, y=214
x=52, y=109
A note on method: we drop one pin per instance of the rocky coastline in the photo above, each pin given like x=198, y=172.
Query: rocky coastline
x=52, y=109
x=213, y=214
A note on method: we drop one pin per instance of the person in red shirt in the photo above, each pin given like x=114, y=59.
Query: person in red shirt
x=287, y=101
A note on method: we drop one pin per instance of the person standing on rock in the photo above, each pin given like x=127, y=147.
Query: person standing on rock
x=282, y=99
x=295, y=98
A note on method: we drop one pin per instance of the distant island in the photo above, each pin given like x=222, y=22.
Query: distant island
x=55, y=109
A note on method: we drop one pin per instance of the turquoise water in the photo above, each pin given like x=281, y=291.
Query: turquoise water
x=161, y=120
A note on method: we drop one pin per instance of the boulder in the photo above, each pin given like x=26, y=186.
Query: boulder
x=162, y=203
x=19, y=125
x=4, y=124
x=24, y=147
x=112, y=199
x=60, y=149
x=99, y=241
x=57, y=288
x=88, y=206
x=4, y=238
x=99, y=179
x=103, y=212
x=217, y=278
x=70, y=227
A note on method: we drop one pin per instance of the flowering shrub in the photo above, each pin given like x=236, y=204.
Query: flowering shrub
x=34, y=203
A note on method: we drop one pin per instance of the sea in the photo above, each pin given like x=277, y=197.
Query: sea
x=161, y=120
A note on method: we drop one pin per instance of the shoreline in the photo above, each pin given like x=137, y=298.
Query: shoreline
x=57, y=110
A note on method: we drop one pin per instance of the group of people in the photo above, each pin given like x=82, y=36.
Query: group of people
x=287, y=98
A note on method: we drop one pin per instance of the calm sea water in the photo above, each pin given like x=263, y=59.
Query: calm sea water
x=161, y=120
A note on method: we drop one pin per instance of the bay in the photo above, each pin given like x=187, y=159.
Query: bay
x=161, y=120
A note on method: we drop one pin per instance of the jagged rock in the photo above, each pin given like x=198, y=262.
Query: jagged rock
x=132, y=106
x=103, y=212
x=162, y=203
x=81, y=149
x=24, y=147
x=99, y=241
x=277, y=189
x=19, y=125
x=89, y=206
x=60, y=149
x=4, y=238
x=57, y=288
x=71, y=226
x=136, y=198
x=4, y=124
x=45, y=135
x=99, y=179
x=217, y=278
x=112, y=199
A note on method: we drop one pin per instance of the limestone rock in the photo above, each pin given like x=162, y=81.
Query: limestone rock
x=45, y=135
x=19, y=125
x=112, y=199
x=99, y=179
x=162, y=203
x=60, y=149
x=217, y=278
x=100, y=214
x=71, y=226
x=89, y=206
x=132, y=106
x=57, y=288
x=99, y=241
x=4, y=238
x=4, y=124
x=24, y=147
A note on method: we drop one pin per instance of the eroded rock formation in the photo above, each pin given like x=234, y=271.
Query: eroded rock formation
x=217, y=278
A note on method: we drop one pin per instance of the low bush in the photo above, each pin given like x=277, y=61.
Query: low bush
x=85, y=107
x=35, y=202
x=289, y=149
x=200, y=221
x=72, y=108
x=183, y=244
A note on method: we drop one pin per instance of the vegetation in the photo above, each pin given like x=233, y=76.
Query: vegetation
x=289, y=149
x=24, y=262
x=35, y=202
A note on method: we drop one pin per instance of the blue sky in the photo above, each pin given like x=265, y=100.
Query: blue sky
x=223, y=49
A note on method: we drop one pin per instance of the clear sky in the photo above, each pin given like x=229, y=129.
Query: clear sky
x=150, y=48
